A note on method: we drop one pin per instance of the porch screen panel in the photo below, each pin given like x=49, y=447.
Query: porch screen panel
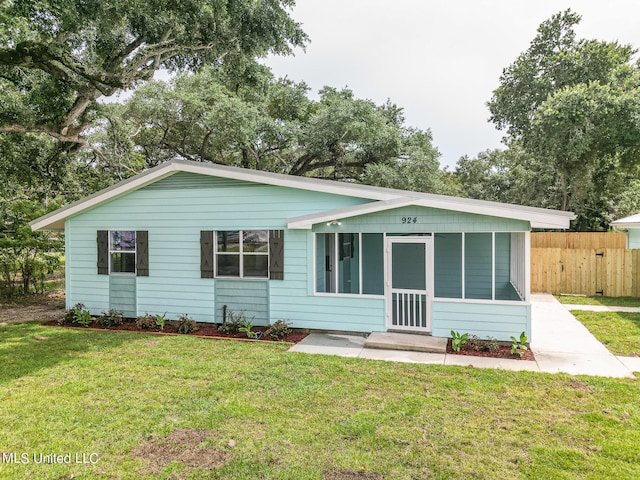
x=372, y=263
x=517, y=263
x=478, y=266
x=349, y=263
x=447, y=265
x=504, y=289
x=325, y=259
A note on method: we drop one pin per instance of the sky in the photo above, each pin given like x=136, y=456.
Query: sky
x=439, y=60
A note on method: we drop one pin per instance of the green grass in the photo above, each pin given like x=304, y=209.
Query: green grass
x=618, y=331
x=598, y=300
x=297, y=416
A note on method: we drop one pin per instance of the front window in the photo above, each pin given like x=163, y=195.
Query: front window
x=122, y=251
x=242, y=253
x=350, y=263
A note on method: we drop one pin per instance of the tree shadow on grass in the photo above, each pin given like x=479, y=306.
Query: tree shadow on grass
x=28, y=347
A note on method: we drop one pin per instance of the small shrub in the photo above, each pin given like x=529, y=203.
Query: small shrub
x=146, y=322
x=232, y=323
x=70, y=315
x=161, y=320
x=491, y=345
x=278, y=330
x=478, y=345
x=246, y=329
x=111, y=318
x=82, y=317
x=518, y=345
x=474, y=343
x=457, y=340
x=186, y=325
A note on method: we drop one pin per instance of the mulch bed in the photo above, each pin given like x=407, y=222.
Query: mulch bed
x=504, y=351
x=204, y=330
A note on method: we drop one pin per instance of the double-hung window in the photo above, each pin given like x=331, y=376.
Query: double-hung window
x=242, y=253
x=122, y=251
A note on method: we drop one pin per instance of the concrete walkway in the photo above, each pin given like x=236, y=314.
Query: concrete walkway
x=561, y=344
x=601, y=308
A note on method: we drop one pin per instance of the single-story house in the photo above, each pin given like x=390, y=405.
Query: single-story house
x=632, y=226
x=202, y=239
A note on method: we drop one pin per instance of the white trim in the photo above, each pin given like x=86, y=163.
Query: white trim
x=527, y=266
x=348, y=295
x=463, y=292
x=481, y=301
x=427, y=241
x=306, y=222
x=314, y=266
x=241, y=253
x=134, y=252
x=360, y=287
x=493, y=265
x=538, y=217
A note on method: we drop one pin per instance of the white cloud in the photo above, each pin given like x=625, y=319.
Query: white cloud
x=438, y=60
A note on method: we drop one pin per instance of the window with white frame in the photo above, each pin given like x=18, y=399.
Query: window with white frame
x=242, y=253
x=349, y=263
x=122, y=251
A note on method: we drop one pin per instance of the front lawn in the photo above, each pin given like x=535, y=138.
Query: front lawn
x=599, y=300
x=152, y=406
x=618, y=331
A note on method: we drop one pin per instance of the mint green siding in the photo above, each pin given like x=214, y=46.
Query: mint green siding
x=482, y=319
x=176, y=209
x=633, y=238
x=294, y=300
x=242, y=296
x=427, y=220
x=122, y=294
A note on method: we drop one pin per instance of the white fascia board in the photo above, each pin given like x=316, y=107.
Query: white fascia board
x=624, y=225
x=306, y=222
x=290, y=181
x=538, y=217
x=632, y=221
x=55, y=220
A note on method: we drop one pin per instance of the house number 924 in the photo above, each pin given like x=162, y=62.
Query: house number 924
x=409, y=219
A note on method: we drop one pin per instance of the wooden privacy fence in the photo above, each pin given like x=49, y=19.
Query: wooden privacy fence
x=596, y=240
x=584, y=264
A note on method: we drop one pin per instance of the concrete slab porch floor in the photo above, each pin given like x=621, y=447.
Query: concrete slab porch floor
x=560, y=344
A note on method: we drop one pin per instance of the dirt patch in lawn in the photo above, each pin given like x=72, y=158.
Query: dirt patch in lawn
x=350, y=475
x=578, y=385
x=186, y=446
x=503, y=351
x=45, y=306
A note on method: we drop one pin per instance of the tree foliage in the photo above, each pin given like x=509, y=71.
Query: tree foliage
x=250, y=119
x=572, y=105
x=26, y=257
x=58, y=57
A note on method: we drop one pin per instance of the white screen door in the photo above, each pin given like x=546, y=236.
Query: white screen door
x=408, y=283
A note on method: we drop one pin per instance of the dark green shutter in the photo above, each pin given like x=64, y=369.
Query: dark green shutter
x=206, y=254
x=103, y=252
x=142, y=253
x=276, y=254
